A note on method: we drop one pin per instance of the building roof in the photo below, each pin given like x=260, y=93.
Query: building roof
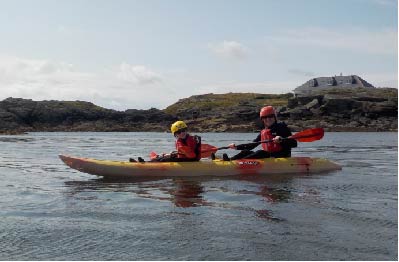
x=321, y=83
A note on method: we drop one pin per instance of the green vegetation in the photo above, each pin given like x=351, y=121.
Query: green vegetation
x=219, y=101
x=82, y=105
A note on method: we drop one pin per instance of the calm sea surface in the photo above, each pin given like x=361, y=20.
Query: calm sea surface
x=51, y=212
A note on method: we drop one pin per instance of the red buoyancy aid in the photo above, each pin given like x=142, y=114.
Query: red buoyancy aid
x=189, y=147
x=266, y=134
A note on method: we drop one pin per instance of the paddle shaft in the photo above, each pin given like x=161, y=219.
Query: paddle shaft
x=249, y=144
x=308, y=135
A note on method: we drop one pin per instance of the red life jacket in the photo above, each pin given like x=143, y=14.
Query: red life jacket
x=189, y=147
x=266, y=134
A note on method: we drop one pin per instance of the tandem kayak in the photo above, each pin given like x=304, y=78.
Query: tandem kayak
x=109, y=169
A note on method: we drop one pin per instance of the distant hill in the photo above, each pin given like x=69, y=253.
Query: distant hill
x=225, y=112
x=207, y=103
x=23, y=115
x=335, y=109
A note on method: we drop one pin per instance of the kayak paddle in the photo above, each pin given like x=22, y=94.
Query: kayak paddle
x=308, y=135
x=153, y=155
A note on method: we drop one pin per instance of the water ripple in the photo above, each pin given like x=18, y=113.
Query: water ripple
x=51, y=212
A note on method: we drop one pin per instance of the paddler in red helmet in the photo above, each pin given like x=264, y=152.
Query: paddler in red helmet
x=277, y=132
x=188, y=147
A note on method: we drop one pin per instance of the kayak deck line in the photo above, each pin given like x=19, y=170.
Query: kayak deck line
x=110, y=168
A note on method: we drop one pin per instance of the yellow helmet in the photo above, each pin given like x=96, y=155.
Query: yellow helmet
x=178, y=125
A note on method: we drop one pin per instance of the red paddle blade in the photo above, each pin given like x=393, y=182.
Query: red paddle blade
x=207, y=150
x=309, y=135
x=153, y=155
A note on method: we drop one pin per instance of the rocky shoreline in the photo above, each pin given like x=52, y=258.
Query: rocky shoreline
x=355, y=109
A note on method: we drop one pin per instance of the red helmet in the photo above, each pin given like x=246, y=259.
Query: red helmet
x=267, y=111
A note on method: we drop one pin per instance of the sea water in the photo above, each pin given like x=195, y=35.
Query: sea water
x=51, y=212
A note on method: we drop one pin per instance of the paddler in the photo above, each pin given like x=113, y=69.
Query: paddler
x=188, y=147
x=276, y=132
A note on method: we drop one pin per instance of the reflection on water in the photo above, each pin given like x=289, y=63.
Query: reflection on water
x=186, y=192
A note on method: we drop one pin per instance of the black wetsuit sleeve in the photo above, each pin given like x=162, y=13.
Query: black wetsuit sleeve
x=250, y=146
x=284, y=131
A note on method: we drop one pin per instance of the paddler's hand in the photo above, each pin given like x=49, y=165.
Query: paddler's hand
x=277, y=139
x=232, y=146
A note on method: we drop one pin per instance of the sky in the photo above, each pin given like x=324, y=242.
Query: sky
x=126, y=54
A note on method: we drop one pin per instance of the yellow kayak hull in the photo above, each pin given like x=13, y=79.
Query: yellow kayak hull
x=292, y=165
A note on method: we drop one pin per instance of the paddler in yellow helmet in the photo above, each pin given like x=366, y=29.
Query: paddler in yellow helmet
x=188, y=147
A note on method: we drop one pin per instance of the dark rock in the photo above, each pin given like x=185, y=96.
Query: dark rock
x=303, y=100
x=335, y=104
x=21, y=108
x=152, y=115
x=316, y=111
x=371, y=99
x=386, y=108
x=299, y=113
x=313, y=104
x=292, y=102
x=9, y=121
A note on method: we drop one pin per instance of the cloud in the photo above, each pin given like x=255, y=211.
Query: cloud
x=381, y=42
x=137, y=74
x=230, y=50
x=121, y=87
